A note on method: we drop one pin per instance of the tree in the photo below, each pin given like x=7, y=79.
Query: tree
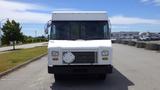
x=12, y=32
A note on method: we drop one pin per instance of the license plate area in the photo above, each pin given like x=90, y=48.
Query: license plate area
x=85, y=57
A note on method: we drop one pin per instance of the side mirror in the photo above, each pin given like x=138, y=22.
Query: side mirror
x=110, y=27
x=46, y=30
x=47, y=25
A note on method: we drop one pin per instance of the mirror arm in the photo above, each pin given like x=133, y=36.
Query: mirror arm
x=47, y=25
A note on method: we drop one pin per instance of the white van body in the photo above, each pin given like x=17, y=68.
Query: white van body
x=78, y=49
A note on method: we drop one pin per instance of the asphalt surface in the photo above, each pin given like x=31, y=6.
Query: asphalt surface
x=22, y=46
x=134, y=69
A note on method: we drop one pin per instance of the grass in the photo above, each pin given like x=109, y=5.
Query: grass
x=16, y=57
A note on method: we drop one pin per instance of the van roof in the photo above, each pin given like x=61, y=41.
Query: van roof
x=79, y=12
x=79, y=16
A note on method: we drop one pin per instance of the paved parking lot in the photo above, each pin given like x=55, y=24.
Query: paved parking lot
x=134, y=69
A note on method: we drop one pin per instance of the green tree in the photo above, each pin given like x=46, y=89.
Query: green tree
x=12, y=32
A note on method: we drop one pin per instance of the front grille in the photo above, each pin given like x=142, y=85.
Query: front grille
x=85, y=57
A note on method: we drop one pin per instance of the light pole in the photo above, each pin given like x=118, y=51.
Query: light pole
x=1, y=30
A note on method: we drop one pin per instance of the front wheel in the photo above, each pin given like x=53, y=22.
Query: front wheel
x=102, y=76
x=58, y=77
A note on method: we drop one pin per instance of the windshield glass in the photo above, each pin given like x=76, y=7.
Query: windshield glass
x=73, y=30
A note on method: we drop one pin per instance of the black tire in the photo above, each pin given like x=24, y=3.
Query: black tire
x=110, y=70
x=58, y=77
x=102, y=76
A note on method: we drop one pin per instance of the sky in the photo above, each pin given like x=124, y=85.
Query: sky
x=125, y=15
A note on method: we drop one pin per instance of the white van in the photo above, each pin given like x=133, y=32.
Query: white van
x=79, y=44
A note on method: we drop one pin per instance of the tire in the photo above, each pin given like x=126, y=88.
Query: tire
x=58, y=77
x=110, y=70
x=102, y=76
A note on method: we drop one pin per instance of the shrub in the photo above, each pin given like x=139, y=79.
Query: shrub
x=118, y=41
x=140, y=44
x=125, y=42
x=113, y=41
x=132, y=43
x=152, y=46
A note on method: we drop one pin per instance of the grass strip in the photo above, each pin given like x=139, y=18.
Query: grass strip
x=13, y=58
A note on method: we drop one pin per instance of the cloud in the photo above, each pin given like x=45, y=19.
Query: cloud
x=17, y=6
x=132, y=20
x=120, y=27
x=156, y=2
x=20, y=12
x=145, y=0
x=65, y=9
x=25, y=12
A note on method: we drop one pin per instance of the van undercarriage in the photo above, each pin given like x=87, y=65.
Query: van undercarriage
x=80, y=69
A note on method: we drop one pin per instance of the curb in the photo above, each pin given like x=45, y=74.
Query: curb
x=21, y=65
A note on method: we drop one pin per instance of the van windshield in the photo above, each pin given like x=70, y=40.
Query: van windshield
x=85, y=30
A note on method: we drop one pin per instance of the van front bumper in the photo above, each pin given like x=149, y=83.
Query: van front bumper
x=80, y=69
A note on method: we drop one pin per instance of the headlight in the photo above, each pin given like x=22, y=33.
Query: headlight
x=105, y=53
x=55, y=53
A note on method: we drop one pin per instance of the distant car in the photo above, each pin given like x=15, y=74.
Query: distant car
x=147, y=36
x=144, y=38
x=155, y=38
